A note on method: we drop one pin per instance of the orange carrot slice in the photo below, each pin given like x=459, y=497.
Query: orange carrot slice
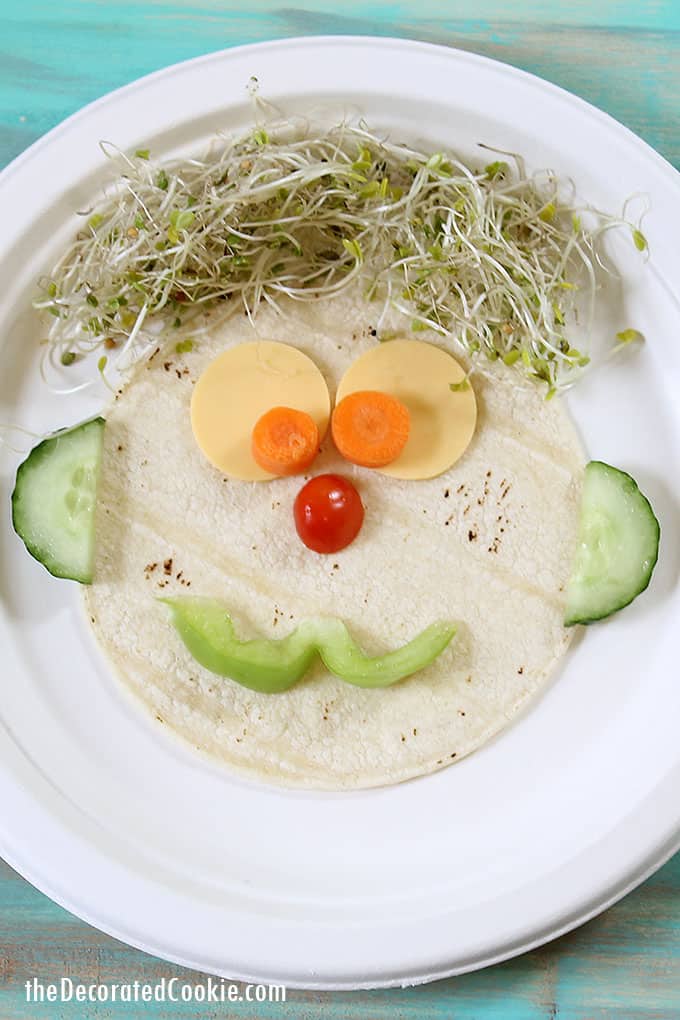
x=370, y=428
x=285, y=441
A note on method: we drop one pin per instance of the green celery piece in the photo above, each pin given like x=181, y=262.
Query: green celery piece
x=263, y=665
x=274, y=665
x=342, y=655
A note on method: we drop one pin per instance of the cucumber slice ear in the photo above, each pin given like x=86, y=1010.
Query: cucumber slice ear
x=54, y=500
x=618, y=545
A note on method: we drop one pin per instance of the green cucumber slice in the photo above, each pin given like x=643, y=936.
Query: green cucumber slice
x=618, y=545
x=54, y=500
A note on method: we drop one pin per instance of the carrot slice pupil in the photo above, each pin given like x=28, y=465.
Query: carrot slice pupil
x=370, y=428
x=372, y=425
x=285, y=441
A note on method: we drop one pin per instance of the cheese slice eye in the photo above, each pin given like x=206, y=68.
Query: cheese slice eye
x=238, y=387
x=419, y=375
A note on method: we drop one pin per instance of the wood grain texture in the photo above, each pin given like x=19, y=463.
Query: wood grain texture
x=624, y=56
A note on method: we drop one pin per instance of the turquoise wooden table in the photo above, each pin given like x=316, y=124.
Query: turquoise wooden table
x=622, y=55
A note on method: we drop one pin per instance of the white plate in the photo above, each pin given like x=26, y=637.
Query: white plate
x=568, y=809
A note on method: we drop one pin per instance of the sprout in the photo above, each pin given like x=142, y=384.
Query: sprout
x=492, y=260
x=628, y=336
x=354, y=248
x=496, y=169
x=639, y=240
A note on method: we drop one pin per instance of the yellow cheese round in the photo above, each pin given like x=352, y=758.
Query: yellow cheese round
x=238, y=387
x=420, y=375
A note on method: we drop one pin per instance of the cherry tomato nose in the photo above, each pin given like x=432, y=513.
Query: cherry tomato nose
x=328, y=513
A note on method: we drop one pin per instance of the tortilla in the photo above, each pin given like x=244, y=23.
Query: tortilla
x=488, y=544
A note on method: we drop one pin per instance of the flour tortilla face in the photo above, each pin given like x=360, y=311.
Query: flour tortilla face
x=487, y=544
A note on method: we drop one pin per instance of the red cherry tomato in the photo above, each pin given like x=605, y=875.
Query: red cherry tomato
x=328, y=513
